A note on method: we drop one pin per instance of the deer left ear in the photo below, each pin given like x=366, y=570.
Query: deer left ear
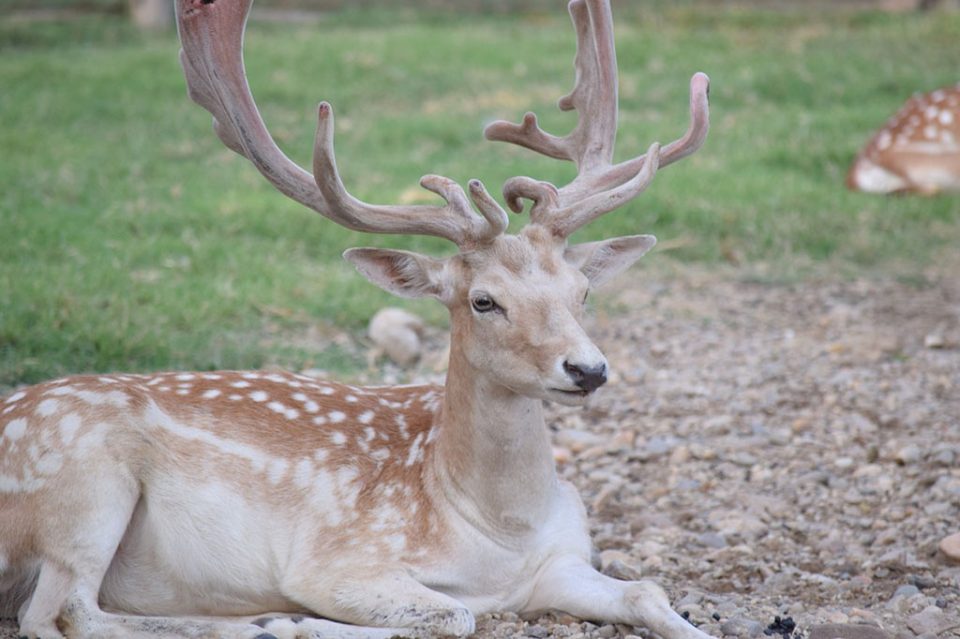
x=399, y=272
x=602, y=261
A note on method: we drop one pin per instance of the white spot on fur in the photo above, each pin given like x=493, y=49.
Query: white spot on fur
x=303, y=473
x=185, y=377
x=366, y=417
x=93, y=439
x=49, y=462
x=416, y=452
x=276, y=469
x=68, y=427
x=48, y=407
x=15, y=429
x=311, y=407
x=336, y=416
x=155, y=417
x=259, y=396
x=289, y=413
x=352, y=399
x=241, y=384
x=326, y=390
x=338, y=438
x=235, y=398
x=401, y=421
x=212, y=394
x=946, y=117
x=113, y=398
x=16, y=397
x=884, y=140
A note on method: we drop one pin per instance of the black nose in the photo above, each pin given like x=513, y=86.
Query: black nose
x=589, y=379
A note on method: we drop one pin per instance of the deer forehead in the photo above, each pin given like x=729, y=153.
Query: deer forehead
x=519, y=265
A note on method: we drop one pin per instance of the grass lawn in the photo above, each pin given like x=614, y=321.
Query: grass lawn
x=132, y=240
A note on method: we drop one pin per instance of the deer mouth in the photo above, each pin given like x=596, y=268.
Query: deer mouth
x=567, y=396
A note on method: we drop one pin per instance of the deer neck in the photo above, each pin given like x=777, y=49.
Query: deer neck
x=493, y=460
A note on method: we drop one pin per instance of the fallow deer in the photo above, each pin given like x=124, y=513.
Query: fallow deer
x=916, y=151
x=260, y=505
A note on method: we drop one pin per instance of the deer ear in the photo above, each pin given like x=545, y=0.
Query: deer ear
x=602, y=261
x=399, y=272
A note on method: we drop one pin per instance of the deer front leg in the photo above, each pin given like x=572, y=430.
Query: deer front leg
x=380, y=605
x=571, y=585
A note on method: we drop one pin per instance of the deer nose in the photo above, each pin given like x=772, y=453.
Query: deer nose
x=588, y=378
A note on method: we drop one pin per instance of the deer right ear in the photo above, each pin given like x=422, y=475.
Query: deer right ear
x=399, y=272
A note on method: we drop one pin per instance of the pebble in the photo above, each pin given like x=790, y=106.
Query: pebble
x=906, y=590
x=950, y=547
x=909, y=454
x=398, y=333
x=712, y=540
x=741, y=627
x=930, y=620
x=847, y=631
x=607, y=632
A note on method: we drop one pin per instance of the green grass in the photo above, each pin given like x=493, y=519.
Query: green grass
x=131, y=240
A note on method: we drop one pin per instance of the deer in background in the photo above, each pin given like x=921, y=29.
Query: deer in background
x=916, y=151
x=258, y=505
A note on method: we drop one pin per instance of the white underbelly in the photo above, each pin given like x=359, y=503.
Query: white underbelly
x=196, y=550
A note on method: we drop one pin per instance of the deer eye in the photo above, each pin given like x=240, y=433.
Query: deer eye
x=483, y=303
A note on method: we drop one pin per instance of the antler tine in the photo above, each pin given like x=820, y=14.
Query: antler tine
x=594, y=96
x=211, y=34
x=599, y=186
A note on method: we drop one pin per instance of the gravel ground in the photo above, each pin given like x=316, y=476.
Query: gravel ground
x=778, y=457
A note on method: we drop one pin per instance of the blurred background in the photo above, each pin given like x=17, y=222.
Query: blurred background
x=133, y=241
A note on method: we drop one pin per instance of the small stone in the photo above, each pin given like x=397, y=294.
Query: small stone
x=847, y=631
x=950, y=547
x=397, y=332
x=617, y=564
x=741, y=627
x=906, y=590
x=838, y=617
x=607, y=632
x=934, y=340
x=923, y=581
x=909, y=454
x=712, y=540
x=537, y=632
x=577, y=441
x=930, y=620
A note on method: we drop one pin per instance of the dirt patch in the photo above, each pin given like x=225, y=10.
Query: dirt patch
x=776, y=456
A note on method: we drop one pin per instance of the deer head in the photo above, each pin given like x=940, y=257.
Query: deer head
x=515, y=300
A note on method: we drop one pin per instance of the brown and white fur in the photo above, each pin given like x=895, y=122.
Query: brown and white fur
x=260, y=505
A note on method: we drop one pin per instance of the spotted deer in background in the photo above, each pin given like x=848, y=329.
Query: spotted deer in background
x=916, y=151
x=261, y=505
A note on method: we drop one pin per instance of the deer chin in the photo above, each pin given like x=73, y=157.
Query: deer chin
x=576, y=397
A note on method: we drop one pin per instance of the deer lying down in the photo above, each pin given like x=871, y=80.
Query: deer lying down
x=916, y=151
x=260, y=505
